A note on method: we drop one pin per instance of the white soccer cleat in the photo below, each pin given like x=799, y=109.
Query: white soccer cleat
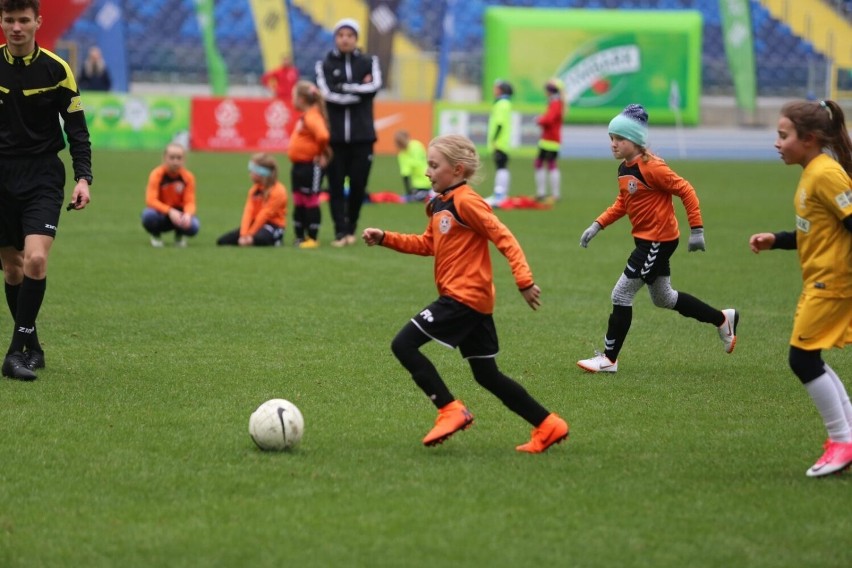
x=600, y=363
x=728, y=329
x=156, y=242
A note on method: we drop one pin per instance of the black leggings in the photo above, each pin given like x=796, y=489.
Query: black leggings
x=807, y=365
x=406, y=347
x=353, y=161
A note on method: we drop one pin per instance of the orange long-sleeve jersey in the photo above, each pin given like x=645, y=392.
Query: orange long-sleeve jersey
x=460, y=227
x=645, y=191
x=264, y=207
x=310, y=137
x=166, y=190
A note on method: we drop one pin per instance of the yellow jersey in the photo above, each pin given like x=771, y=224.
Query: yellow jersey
x=823, y=199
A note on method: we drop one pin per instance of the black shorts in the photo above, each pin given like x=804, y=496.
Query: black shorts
x=501, y=159
x=547, y=155
x=32, y=190
x=305, y=177
x=649, y=260
x=453, y=324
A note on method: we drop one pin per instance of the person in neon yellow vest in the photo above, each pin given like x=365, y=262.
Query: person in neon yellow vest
x=411, y=157
x=499, y=139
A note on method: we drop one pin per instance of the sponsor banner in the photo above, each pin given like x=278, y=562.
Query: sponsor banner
x=389, y=116
x=272, y=25
x=739, y=47
x=111, y=40
x=119, y=121
x=471, y=120
x=606, y=59
x=240, y=124
x=217, y=71
x=59, y=16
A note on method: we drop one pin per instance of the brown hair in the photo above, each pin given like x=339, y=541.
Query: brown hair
x=312, y=96
x=267, y=161
x=401, y=138
x=16, y=5
x=825, y=121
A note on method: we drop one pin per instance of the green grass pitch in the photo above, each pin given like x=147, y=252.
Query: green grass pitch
x=132, y=447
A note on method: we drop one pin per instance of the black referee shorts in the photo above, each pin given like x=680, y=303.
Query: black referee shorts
x=453, y=324
x=32, y=190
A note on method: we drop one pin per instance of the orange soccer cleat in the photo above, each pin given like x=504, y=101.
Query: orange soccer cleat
x=552, y=431
x=452, y=417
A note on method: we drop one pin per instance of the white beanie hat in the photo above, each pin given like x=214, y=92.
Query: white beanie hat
x=348, y=23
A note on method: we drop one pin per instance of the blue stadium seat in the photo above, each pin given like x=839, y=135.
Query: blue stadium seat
x=164, y=38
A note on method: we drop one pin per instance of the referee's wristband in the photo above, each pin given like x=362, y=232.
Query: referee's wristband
x=87, y=178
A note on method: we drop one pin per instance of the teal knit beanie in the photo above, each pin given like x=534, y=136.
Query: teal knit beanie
x=631, y=124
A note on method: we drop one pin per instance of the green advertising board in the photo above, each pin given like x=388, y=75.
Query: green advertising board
x=607, y=59
x=129, y=122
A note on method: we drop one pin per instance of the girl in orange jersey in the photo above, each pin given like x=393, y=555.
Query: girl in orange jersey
x=309, y=152
x=823, y=238
x=265, y=212
x=170, y=199
x=646, y=187
x=461, y=225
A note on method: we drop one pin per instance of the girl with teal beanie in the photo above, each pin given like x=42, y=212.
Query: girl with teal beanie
x=646, y=188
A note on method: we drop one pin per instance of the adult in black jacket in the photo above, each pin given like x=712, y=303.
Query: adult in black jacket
x=349, y=81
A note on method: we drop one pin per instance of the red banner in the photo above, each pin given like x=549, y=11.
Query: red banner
x=259, y=125
x=240, y=125
x=56, y=17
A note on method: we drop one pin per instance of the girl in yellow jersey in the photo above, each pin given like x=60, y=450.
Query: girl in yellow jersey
x=461, y=226
x=646, y=186
x=813, y=135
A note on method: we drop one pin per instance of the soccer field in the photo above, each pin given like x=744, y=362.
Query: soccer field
x=132, y=447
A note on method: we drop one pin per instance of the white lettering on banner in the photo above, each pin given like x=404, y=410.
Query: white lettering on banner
x=276, y=116
x=227, y=116
x=613, y=61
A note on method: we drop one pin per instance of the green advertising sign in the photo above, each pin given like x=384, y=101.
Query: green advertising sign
x=739, y=47
x=606, y=59
x=129, y=122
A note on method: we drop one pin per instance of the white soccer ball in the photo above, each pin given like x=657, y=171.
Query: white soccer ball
x=276, y=425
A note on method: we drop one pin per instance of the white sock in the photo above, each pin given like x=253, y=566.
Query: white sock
x=555, y=183
x=825, y=397
x=501, y=183
x=540, y=179
x=841, y=392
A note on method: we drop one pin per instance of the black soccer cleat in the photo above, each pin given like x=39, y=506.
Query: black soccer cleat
x=34, y=359
x=15, y=367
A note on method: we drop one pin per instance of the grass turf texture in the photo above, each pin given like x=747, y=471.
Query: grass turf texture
x=132, y=447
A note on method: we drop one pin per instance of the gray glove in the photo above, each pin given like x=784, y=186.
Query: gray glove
x=589, y=234
x=696, y=239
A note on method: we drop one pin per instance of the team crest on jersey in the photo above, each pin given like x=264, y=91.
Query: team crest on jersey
x=632, y=186
x=844, y=199
x=445, y=223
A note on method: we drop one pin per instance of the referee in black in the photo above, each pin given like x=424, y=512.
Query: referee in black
x=36, y=89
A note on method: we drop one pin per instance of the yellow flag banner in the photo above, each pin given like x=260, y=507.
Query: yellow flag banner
x=273, y=31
